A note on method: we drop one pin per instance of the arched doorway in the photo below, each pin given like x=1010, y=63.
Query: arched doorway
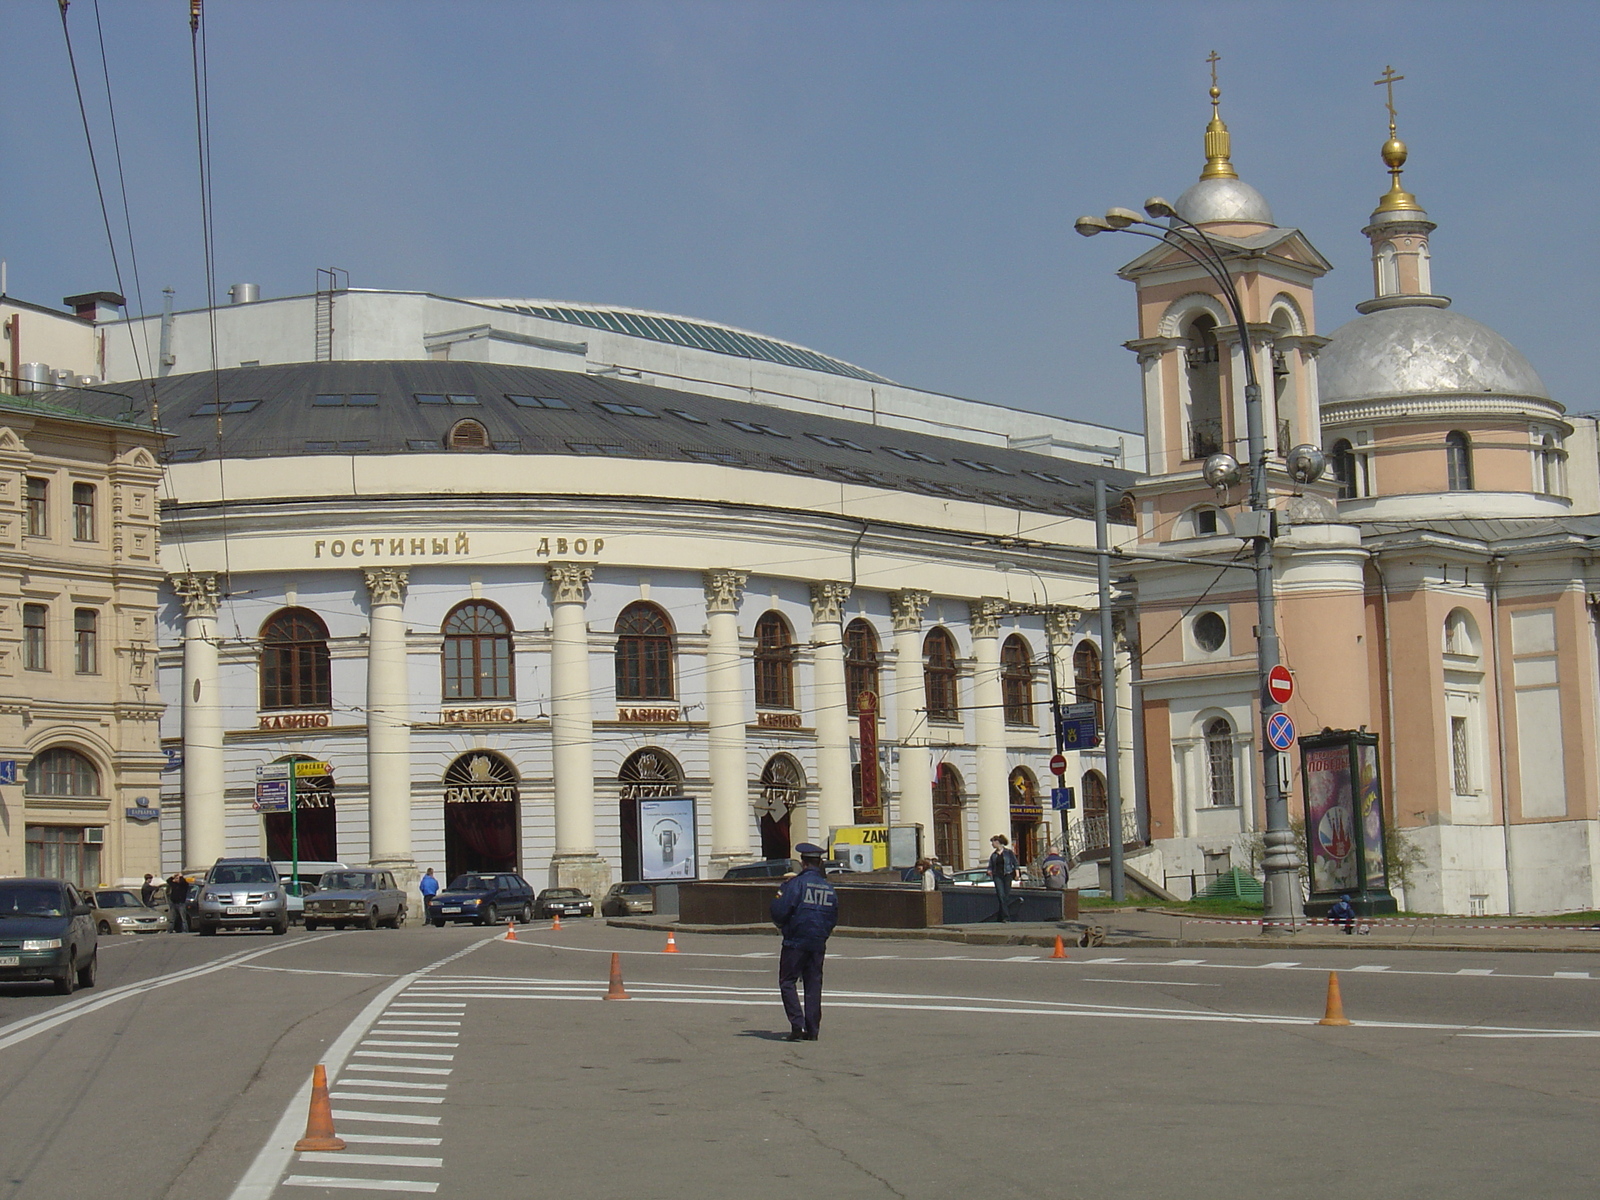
x=949, y=818
x=649, y=777
x=482, y=815
x=312, y=834
x=783, y=785
x=1026, y=813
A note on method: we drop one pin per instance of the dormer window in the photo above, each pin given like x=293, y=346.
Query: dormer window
x=467, y=435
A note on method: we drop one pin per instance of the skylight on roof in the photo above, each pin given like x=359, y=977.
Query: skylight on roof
x=227, y=407
x=855, y=476
x=754, y=427
x=617, y=408
x=688, y=416
x=456, y=398
x=350, y=400
x=537, y=401
x=794, y=464
x=352, y=447
x=187, y=454
x=1047, y=477
x=973, y=464
x=607, y=448
x=912, y=455
x=421, y=444
x=838, y=443
x=726, y=457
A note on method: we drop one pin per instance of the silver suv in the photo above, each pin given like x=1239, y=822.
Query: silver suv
x=242, y=893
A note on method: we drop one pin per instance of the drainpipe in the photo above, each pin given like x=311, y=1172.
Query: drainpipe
x=1500, y=727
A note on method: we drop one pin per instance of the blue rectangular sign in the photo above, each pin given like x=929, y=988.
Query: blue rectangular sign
x=1080, y=734
x=8, y=770
x=272, y=795
x=1062, y=798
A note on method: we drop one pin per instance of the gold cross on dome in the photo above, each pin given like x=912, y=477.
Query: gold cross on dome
x=1214, y=58
x=1387, y=82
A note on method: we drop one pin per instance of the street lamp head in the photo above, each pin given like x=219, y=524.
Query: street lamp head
x=1159, y=208
x=1004, y=567
x=1089, y=226
x=1121, y=218
x=1220, y=470
x=1306, y=463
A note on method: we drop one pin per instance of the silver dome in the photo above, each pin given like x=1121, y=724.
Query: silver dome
x=1420, y=350
x=1223, y=200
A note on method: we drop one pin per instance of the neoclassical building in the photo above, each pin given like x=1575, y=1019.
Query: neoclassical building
x=513, y=608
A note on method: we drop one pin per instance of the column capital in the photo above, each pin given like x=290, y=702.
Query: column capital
x=569, y=582
x=1061, y=623
x=908, y=606
x=724, y=586
x=386, y=585
x=198, y=591
x=827, y=602
x=984, y=616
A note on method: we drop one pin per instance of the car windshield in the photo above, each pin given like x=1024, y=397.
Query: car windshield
x=471, y=883
x=638, y=889
x=243, y=873
x=117, y=900
x=562, y=893
x=354, y=881
x=38, y=900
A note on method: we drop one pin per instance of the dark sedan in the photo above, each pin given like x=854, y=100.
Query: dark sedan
x=484, y=899
x=47, y=932
x=566, y=902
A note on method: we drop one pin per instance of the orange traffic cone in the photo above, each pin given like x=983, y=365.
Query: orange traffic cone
x=615, y=992
x=1061, y=948
x=319, y=1121
x=511, y=930
x=672, y=944
x=555, y=925
x=1335, y=1014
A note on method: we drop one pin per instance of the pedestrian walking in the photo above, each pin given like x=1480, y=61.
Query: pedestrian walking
x=1003, y=870
x=147, y=892
x=428, y=885
x=806, y=909
x=177, y=894
x=1344, y=913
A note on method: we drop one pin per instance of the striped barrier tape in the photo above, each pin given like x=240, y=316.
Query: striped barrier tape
x=1393, y=922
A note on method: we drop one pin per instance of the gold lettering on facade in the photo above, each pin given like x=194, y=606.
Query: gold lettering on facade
x=649, y=716
x=777, y=720
x=458, y=544
x=295, y=721
x=477, y=716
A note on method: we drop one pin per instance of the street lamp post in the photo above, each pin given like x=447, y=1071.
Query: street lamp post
x=1281, y=861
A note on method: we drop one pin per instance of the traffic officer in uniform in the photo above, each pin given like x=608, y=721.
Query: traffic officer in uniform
x=806, y=909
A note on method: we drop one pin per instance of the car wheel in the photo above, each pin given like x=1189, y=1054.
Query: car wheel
x=438, y=922
x=399, y=917
x=526, y=915
x=68, y=979
x=103, y=929
x=311, y=926
x=372, y=919
x=491, y=916
x=281, y=928
x=86, y=973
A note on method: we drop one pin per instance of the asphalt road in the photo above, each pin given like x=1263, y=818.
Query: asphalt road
x=469, y=1067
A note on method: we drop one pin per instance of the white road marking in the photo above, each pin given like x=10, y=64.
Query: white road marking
x=351, y=1114
x=1278, y=966
x=389, y=1139
x=365, y=1185
x=1570, y=975
x=387, y=1099
x=420, y=1022
x=1185, y=962
x=438, y=1044
x=307, y=971
x=402, y=1054
x=370, y=1160
x=392, y=1083
x=1475, y=971
x=405, y=1070
x=1153, y=983
x=1369, y=968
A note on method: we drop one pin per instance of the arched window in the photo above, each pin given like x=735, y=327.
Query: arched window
x=644, y=654
x=1424, y=270
x=467, y=435
x=860, y=661
x=1458, y=461
x=1094, y=795
x=1016, y=680
x=477, y=653
x=1388, y=274
x=783, y=786
x=1086, y=679
x=1549, y=456
x=774, y=662
x=62, y=772
x=1219, y=763
x=949, y=819
x=1342, y=458
x=294, y=661
x=1461, y=634
x=1202, y=357
x=939, y=676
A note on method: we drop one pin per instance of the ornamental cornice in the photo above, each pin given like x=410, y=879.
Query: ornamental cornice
x=386, y=585
x=1441, y=405
x=198, y=591
x=724, y=588
x=908, y=607
x=827, y=602
x=569, y=582
x=983, y=616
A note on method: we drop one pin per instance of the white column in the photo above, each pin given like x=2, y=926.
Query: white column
x=725, y=721
x=204, y=822
x=914, y=790
x=989, y=722
x=832, y=717
x=572, y=731
x=388, y=721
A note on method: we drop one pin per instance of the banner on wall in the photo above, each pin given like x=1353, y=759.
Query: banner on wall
x=667, y=838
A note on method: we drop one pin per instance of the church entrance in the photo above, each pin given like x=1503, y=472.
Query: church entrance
x=482, y=815
x=315, y=821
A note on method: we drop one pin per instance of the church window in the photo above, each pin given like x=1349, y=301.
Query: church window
x=1458, y=461
x=1460, y=756
x=1342, y=458
x=860, y=661
x=1016, y=680
x=1205, y=521
x=774, y=662
x=1202, y=358
x=1424, y=270
x=1387, y=269
x=295, y=670
x=477, y=653
x=939, y=676
x=1219, y=764
x=1210, y=632
x=1549, y=456
x=644, y=654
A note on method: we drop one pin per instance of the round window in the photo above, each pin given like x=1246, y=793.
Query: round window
x=1210, y=631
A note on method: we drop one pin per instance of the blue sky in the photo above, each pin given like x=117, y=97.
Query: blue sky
x=891, y=183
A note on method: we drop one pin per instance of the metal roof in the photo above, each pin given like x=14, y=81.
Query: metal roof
x=403, y=407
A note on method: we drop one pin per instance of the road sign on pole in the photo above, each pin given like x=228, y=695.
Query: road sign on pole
x=1280, y=684
x=1062, y=798
x=272, y=795
x=1058, y=764
x=1280, y=731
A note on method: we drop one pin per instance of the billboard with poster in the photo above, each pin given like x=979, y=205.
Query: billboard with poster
x=1345, y=821
x=667, y=838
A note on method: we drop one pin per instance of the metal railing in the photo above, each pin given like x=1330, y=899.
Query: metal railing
x=1093, y=834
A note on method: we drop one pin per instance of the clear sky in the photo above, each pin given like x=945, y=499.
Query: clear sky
x=890, y=183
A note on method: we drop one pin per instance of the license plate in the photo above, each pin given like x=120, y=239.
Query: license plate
x=10, y=960
x=239, y=910
x=450, y=908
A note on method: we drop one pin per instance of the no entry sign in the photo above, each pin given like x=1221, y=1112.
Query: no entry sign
x=1058, y=764
x=1280, y=684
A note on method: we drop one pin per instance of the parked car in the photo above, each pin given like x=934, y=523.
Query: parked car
x=119, y=910
x=309, y=873
x=242, y=893
x=628, y=899
x=297, y=893
x=484, y=898
x=47, y=932
x=365, y=896
x=567, y=901
x=976, y=877
x=771, y=868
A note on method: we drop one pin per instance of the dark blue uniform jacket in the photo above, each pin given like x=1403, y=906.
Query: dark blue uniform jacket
x=806, y=908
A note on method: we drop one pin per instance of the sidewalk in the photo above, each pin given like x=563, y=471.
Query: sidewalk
x=1156, y=929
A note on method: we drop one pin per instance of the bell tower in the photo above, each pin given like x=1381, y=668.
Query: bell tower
x=1398, y=231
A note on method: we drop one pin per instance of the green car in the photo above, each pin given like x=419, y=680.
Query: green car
x=47, y=932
